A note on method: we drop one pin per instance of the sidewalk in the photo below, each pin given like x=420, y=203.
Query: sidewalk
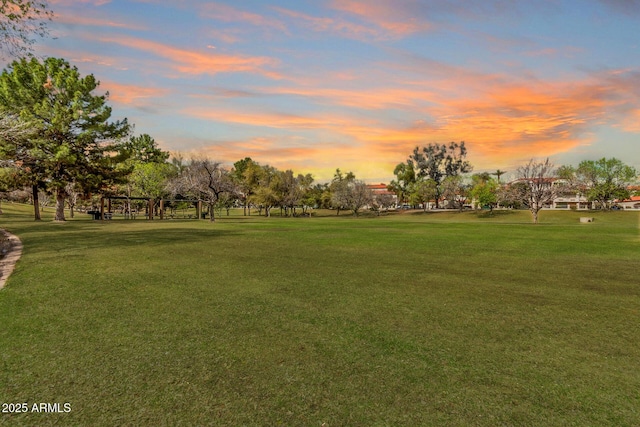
x=9, y=259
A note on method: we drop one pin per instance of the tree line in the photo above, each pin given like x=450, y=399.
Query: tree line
x=57, y=138
x=436, y=173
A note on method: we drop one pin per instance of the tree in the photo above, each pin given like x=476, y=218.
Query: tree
x=456, y=191
x=485, y=190
x=509, y=195
x=405, y=178
x=7, y=180
x=144, y=149
x=20, y=21
x=438, y=161
x=349, y=193
x=13, y=127
x=73, y=140
x=150, y=179
x=263, y=182
x=360, y=195
x=382, y=202
x=318, y=196
x=537, y=187
x=605, y=180
x=240, y=175
x=225, y=202
x=204, y=180
x=18, y=161
x=339, y=188
x=498, y=173
x=73, y=194
x=150, y=170
x=422, y=192
x=288, y=190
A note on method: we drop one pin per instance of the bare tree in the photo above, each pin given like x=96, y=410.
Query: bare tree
x=455, y=191
x=538, y=186
x=382, y=202
x=20, y=21
x=72, y=197
x=353, y=194
x=44, y=199
x=205, y=180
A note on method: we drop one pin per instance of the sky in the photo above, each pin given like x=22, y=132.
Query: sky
x=315, y=85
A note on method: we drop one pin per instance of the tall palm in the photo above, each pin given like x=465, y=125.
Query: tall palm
x=499, y=173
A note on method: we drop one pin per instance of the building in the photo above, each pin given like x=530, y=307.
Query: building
x=381, y=189
x=632, y=203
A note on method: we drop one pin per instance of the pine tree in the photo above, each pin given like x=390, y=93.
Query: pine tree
x=72, y=139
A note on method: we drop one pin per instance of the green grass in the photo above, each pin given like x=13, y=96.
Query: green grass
x=407, y=319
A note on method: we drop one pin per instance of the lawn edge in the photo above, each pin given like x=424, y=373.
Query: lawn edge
x=9, y=260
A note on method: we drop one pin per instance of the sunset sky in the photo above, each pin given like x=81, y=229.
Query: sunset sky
x=356, y=84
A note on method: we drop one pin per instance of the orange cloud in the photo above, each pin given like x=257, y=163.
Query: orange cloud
x=503, y=122
x=195, y=62
x=510, y=126
x=132, y=94
x=260, y=148
x=397, y=19
x=632, y=122
x=373, y=98
x=268, y=119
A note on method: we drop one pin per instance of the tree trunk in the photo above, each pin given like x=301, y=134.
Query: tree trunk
x=59, y=206
x=36, y=204
x=535, y=216
x=211, y=213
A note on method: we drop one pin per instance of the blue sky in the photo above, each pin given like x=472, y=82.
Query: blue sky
x=354, y=84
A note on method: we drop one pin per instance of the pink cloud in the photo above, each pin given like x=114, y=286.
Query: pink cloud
x=396, y=18
x=75, y=2
x=195, y=62
x=95, y=22
x=226, y=13
x=331, y=25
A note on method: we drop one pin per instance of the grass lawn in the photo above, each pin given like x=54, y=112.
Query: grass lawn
x=407, y=319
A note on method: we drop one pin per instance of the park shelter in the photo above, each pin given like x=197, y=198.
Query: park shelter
x=105, y=211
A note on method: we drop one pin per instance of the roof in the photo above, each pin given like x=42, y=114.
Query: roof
x=380, y=186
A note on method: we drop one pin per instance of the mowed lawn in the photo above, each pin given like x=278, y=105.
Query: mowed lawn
x=402, y=320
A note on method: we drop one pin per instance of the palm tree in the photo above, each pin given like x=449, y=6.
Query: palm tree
x=499, y=173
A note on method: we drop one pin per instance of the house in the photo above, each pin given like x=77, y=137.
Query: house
x=632, y=203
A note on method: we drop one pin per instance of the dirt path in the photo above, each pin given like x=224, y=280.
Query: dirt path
x=10, y=257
